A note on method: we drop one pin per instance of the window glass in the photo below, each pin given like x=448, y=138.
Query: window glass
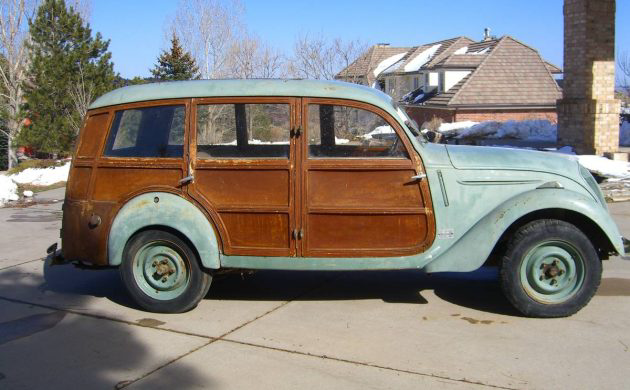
x=147, y=132
x=243, y=130
x=340, y=131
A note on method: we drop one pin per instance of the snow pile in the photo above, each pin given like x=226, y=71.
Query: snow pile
x=42, y=176
x=533, y=130
x=421, y=59
x=385, y=129
x=624, y=134
x=605, y=167
x=386, y=63
x=8, y=190
x=450, y=129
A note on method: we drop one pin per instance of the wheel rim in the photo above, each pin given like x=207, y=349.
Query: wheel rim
x=552, y=271
x=160, y=270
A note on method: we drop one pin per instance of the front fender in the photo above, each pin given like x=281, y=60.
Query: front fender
x=171, y=211
x=474, y=247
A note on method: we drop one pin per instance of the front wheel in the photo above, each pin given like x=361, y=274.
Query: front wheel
x=162, y=273
x=550, y=269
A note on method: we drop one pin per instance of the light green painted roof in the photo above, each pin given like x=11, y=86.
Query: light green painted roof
x=261, y=87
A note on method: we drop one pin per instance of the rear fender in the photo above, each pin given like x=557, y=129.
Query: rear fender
x=168, y=210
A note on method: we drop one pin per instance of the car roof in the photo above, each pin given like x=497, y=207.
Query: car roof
x=250, y=87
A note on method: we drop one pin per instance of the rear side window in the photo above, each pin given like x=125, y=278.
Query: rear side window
x=243, y=130
x=147, y=132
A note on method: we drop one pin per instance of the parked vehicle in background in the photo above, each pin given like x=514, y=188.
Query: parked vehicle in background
x=173, y=182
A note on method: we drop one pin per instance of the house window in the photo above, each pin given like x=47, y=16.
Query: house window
x=441, y=82
x=426, y=79
x=392, y=85
x=415, y=83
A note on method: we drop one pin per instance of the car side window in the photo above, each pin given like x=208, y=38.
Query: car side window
x=349, y=132
x=243, y=130
x=147, y=132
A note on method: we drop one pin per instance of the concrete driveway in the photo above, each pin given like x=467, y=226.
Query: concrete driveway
x=63, y=327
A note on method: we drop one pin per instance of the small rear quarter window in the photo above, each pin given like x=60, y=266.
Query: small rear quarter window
x=147, y=132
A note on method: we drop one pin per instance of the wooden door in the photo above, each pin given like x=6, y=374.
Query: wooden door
x=243, y=155
x=359, y=194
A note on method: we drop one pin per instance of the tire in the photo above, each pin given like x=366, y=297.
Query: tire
x=550, y=269
x=162, y=273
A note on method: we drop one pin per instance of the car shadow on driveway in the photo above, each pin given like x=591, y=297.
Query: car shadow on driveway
x=477, y=290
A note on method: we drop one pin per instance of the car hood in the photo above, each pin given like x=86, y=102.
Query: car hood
x=484, y=157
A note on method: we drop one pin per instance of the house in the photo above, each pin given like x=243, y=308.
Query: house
x=459, y=79
x=368, y=66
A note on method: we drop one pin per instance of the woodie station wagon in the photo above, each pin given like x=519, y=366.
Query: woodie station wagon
x=172, y=182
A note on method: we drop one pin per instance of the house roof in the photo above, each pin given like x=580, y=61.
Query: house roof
x=510, y=73
x=365, y=65
x=426, y=56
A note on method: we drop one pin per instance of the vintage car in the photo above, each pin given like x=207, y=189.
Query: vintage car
x=172, y=182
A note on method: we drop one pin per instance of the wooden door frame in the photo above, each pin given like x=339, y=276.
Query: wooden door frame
x=289, y=164
x=414, y=162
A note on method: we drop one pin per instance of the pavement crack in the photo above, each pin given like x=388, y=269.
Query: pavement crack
x=372, y=365
x=123, y=384
x=19, y=264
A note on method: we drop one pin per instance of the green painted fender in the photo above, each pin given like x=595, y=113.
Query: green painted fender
x=171, y=211
x=469, y=254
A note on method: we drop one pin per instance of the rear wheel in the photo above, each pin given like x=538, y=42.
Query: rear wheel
x=550, y=269
x=162, y=273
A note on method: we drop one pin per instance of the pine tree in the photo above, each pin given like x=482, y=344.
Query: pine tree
x=175, y=64
x=66, y=62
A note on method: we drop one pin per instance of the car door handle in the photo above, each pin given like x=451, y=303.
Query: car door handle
x=418, y=177
x=186, y=180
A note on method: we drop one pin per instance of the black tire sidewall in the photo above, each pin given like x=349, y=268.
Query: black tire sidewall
x=198, y=283
x=527, y=238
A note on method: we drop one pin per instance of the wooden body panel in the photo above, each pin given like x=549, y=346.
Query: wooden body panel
x=364, y=207
x=252, y=198
x=295, y=206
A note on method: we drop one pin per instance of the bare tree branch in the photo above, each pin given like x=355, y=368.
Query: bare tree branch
x=14, y=15
x=82, y=93
x=250, y=58
x=623, y=78
x=315, y=57
x=208, y=29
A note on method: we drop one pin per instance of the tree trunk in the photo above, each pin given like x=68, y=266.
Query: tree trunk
x=9, y=154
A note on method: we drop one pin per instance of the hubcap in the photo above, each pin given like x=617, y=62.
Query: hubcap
x=552, y=272
x=160, y=270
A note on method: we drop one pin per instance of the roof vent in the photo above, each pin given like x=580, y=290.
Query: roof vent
x=486, y=34
x=382, y=44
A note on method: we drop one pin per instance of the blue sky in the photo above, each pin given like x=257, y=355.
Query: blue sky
x=136, y=27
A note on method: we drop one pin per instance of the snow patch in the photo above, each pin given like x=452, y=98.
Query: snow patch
x=484, y=51
x=8, y=190
x=605, y=167
x=385, y=129
x=42, y=176
x=461, y=50
x=421, y=59
x=533, y=130
x=386, y=63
